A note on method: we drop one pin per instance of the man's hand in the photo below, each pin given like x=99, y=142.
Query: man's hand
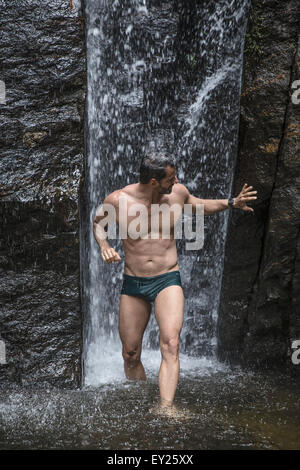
x=109, y=255
x=245, y=196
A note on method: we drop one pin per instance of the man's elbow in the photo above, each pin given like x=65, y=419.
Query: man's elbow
x=94, y=225
x=95, y=221
x=97, y=225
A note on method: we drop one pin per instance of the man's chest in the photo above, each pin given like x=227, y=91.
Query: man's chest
x=139, y=219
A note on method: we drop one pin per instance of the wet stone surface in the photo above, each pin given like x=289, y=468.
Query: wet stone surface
x=42, y=147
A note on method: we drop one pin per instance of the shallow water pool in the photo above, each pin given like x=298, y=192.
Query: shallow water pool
x=222, y=407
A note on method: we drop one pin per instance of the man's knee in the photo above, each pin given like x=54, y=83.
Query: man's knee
x=131, y=356
x=170, y=348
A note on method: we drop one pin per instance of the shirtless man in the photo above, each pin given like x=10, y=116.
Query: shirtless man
x=151, y=271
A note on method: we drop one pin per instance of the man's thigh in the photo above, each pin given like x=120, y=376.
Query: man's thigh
x=134, y=314
x=169, y=311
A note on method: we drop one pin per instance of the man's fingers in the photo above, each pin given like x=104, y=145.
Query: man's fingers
x=247, y=188
x=248, y=191
x=247, y=208
x=113, y=256
x=110, y=256
x=248, y=197
x=117, y=257
x=107, y=256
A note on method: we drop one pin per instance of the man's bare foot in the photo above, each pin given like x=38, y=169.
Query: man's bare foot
x=169, y=410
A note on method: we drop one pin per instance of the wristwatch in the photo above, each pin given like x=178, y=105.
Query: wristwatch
x=230, y=203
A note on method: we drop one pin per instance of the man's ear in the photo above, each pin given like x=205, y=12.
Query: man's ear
x=153, y=182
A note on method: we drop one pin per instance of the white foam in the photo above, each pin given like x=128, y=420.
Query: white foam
x=105, y=364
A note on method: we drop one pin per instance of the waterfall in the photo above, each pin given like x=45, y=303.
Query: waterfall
x=162, y=75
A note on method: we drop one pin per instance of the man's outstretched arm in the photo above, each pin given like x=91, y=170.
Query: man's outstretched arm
x=212, y=206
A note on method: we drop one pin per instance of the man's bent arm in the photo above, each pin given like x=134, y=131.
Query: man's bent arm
x=100, y=232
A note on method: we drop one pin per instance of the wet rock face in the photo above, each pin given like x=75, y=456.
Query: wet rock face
x=259, y=311
x=41, y=135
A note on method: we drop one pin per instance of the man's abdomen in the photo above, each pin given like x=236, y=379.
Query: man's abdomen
x=150, y=257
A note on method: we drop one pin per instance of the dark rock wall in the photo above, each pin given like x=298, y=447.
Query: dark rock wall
x=259, y=309
x=42, y=146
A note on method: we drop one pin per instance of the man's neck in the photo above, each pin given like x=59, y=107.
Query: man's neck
x=149, y=194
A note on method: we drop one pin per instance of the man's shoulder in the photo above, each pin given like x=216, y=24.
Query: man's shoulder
x=114, y=197
x=181, y=190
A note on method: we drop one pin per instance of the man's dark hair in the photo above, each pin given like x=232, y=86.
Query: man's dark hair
x=153, y=165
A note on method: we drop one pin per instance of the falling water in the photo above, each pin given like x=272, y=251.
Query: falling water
x=162, y=75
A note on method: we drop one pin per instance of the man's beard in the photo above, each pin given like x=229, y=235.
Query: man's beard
x=165, y=190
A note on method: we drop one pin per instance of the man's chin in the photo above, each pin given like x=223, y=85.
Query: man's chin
x=166, y=191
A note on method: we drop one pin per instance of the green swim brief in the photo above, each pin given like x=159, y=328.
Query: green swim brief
x=147, y=288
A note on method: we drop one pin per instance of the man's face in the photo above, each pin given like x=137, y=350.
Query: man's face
x=166, y=184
